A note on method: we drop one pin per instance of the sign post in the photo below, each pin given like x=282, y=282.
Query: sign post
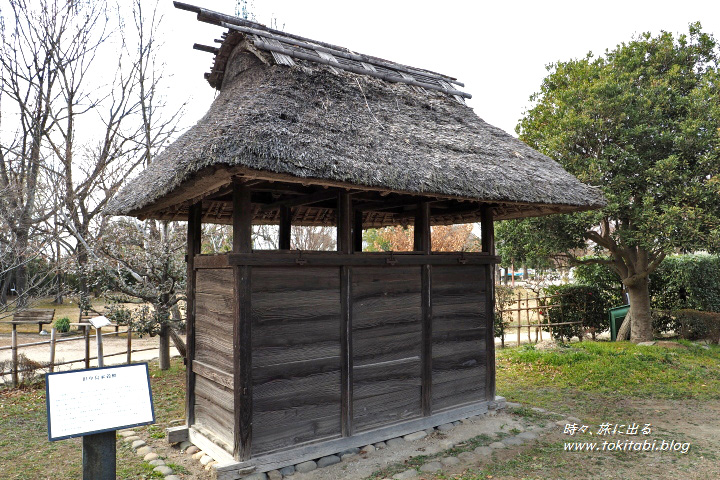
x=94, y=403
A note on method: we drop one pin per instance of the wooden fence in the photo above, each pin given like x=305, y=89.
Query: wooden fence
x=534, y=316
x=15, y=364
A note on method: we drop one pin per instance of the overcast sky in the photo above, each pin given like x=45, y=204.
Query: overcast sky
x=498, y=49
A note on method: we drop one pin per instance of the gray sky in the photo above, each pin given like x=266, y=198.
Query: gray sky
x=498, y=49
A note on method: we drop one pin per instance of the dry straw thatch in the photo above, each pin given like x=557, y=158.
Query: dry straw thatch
x=323, y=125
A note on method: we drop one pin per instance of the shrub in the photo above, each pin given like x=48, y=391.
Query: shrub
x=575, y=303
x=687, y=282
x=603, y=277
x=62, y=325
x=694, y=325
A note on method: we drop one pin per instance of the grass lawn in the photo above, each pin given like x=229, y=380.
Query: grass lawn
x=27, y=453
x=673, y=387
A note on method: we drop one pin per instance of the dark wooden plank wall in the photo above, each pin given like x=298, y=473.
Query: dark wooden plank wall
x=213, y=322
x=213, y=347
x=295, y=356
x=386, y=338
x=296, y=353
x=458, y=335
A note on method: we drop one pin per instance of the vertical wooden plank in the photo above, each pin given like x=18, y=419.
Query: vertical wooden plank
x=194, y=234
x=285, y=228
x=487, y=233
x=242, y=324
x=128, y=332
x=344, y=245
x=422, y=228
x=53, y=334
x=99, y=341
x=423, y=243
x=358, y=231
x=344, y=223
x=242, y=218
x=86, y=332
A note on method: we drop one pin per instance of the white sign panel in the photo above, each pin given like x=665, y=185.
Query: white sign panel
x=99, y=322
x=81, y=402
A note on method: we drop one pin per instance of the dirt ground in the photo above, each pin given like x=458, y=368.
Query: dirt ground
x=75, y=349
x=693, y=422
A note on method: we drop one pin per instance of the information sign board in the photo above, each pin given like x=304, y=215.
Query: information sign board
x=83, y=402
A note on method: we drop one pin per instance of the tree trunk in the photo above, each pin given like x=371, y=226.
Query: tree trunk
x=21, y=271
x=164, y=347
x=624, y=332
x=640, y=316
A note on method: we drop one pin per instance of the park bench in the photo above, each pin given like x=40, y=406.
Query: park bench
x=34, y=315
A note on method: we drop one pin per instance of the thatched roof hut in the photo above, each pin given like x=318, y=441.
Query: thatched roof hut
x=291, y=355
x=322, y=118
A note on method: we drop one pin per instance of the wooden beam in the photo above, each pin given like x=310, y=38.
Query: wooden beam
x=337, y=259
x=194, y=240
x=242, y=324
x=487, y=235
x=344, y=245
x=285, y=228
x=315, y=197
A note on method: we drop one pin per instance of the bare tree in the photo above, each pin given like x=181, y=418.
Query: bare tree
x=28, y=86
x=127, y=128
x=149, y=264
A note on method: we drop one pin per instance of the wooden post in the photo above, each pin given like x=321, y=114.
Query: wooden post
x=129, y=344
x=99, y=456
x=344, y=245
x=53, y=333
x=194, y=234
x=487, y=234
x=527, y=316
x=14, y=356
x=423, y=243
x=86, y=333
x=519, y=329
x=358, y=231
x=98, y=338
x=285, y=227
x=242, y=324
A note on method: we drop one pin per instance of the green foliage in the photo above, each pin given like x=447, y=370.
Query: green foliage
x=374, y=241
x=119, y=314
x=687, y=282
x=575, y=303
x=527, y=241
x=641, y=123
x=603, y=277
x=62, y=325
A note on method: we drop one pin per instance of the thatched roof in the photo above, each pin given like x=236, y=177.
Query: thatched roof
x=289, y=113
